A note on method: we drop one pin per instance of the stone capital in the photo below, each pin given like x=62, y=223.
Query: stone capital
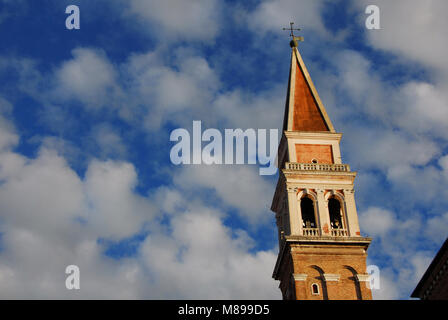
x=349, y=191
x=292, y=189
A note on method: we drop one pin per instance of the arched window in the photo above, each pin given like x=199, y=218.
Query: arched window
x=307, y=209
x=315, y=289
x=334, y=206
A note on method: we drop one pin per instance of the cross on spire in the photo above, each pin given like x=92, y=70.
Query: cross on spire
x=294, y=38
x=291, y=29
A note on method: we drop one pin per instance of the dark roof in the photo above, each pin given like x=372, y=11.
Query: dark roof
x=417, y=291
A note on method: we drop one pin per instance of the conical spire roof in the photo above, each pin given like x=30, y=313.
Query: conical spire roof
x=304, y=110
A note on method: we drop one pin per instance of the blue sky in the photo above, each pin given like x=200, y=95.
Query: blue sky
x=86, y=115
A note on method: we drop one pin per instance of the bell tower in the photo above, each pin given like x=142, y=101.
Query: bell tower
x=322, y=254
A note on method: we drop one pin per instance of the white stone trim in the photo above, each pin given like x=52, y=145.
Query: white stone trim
x=331, y=277
x=363, y=277
x=300, y=276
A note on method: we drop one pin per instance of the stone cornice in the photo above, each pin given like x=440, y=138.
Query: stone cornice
x=289, y=172
x=361, y=241
x=324, y=135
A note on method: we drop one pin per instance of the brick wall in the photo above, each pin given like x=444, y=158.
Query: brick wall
x=317, y=261
x=307, y=152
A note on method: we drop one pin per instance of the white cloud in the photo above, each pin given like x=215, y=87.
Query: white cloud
x=377, y=221
x=45, y=225
x=51, y=218
x=420, y=262
x=437, y=228
x=8, y=136
x=33, y=267
x=44, y=194
x=385, y=149
x=88, y=77
x=242, y=109
x=109, y=142
x=388, y=287
x=200, y=260
x=426, y=108
x=358, y=87
x=397, y=240
x=115, y=211
x=148, y=90
x=179, y=19
x=238, y=186
x=419, y=185
x=171, y=93
x=272, y=15
x=190, y=89
x=412, y=29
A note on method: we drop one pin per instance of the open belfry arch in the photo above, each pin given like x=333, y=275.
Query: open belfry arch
x=322, y=254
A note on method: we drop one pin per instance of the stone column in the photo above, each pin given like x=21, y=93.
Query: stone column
x=323, y=216
x=295, y=216
x=352, y=215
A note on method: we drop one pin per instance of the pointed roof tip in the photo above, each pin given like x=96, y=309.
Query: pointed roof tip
x=304, y=109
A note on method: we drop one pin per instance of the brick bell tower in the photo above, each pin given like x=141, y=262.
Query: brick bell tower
x=322, y=254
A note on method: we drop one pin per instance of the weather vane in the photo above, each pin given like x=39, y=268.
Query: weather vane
x=294, y=40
